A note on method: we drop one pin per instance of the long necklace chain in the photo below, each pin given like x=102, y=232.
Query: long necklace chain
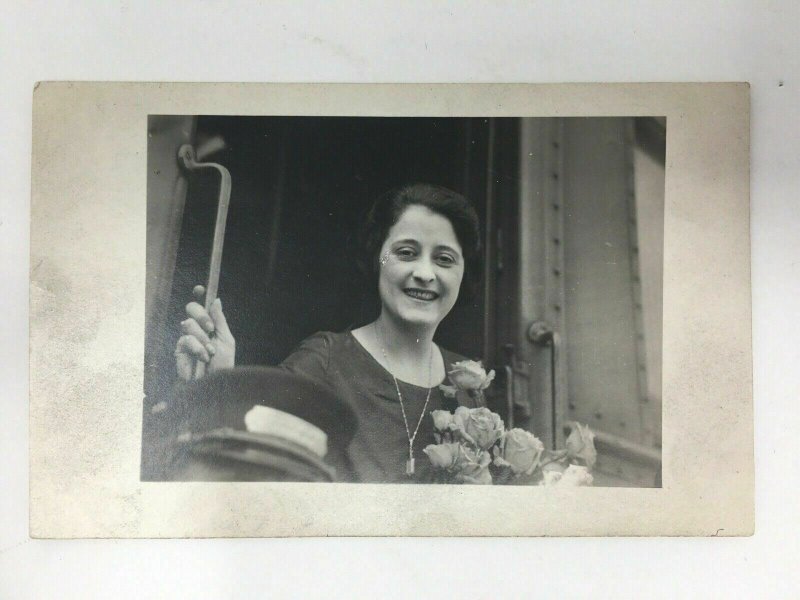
x=411, y=438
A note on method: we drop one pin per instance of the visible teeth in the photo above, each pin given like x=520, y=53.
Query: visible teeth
x=421, y=295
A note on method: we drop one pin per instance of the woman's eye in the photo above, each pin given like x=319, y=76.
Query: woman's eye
x=405, y=252
x=446, y=260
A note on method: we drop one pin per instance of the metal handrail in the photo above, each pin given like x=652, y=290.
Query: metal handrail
x=541, y=334
x=186, y=154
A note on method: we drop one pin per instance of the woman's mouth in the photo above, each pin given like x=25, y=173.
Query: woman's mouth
x=424, y=295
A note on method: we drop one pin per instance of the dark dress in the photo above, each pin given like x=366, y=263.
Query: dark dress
x=379, y=450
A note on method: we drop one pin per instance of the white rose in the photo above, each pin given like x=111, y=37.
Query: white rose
x=573, y=476
x=478, y=426
x=443, y=456
x=576, y=475
x=472, y=466
x=470, y=376
x=521, y=451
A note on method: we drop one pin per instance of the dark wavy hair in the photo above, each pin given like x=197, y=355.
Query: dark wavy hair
x=388, y=208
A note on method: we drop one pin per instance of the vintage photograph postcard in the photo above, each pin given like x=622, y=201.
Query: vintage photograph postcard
x=401, y=310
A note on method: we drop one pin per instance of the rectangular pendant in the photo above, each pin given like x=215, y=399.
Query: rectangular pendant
x=410, y=466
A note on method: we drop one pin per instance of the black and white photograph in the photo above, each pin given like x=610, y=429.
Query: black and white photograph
x=429, y=300
x=392, y=310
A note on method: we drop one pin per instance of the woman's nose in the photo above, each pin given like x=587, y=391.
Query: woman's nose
x=423, y=271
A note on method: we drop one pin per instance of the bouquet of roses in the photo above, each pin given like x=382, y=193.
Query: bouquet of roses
x=472, y=445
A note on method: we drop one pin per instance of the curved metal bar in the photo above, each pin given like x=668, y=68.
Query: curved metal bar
x=555, y=358
x=541, y=334
x=509, y=396
x=187, y=157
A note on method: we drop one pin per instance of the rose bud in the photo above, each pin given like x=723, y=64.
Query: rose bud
x=449, y=391
x=580, y=445
x=442, y=419
x=469, y=375
x=443, y=456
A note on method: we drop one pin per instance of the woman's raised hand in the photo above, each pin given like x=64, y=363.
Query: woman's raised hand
x=205, y=337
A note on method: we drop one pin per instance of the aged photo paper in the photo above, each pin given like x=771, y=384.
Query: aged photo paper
x=88, y=362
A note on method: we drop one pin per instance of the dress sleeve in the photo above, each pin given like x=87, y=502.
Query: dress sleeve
x=311, y=358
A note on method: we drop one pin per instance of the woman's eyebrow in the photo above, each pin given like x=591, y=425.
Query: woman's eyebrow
x=450, y=248
x=406, y=241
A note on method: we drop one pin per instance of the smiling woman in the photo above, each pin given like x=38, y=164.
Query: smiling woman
x=420, y=242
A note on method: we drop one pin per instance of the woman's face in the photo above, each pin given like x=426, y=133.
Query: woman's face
x=421, y=267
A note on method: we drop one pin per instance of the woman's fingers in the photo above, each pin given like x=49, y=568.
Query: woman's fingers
x=205, y=334
x=217, y=321
x=199, y=314
x=190, y=327
x=191, y=346
x=187, y=352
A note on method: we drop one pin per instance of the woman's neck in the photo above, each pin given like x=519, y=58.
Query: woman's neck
x=401, y=342
x=407, y=353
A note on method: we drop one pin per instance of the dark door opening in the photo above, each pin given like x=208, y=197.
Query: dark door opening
x=301, y=186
